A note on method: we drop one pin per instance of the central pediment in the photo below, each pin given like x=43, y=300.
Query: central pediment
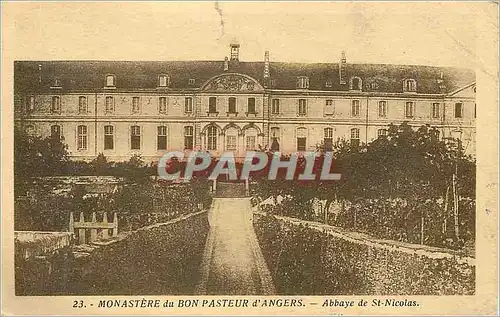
x=232, y=82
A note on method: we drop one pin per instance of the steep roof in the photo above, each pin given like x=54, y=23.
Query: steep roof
x=90, y=75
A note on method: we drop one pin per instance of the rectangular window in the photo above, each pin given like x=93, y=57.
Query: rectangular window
x=212, y=104
x=355, y=108
x=188, y=138
x=136, y=107
x=458, y=110
x=188, y=105
x=301, y=144
x=163, y=81
x=275, y=106
x=302, y=107
x=162, y=105
x=135, y=137
x=231, y=108
x=56, y=104
x=250, y=142
x=329, y=107
x=109, y=137
x=30, y=103
x=110, y=104
x=231, y=143
x=302, y=82
x=82, y=105
x=251, y=105
x=162, y=138
x=382, y=108
x=409, y=109
x=435, y=110
x=81, y=143
x=381, y=132
x=328, y=139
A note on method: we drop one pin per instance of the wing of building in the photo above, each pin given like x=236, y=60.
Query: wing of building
x=151, y=107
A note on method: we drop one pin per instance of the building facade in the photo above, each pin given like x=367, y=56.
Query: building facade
x=149, y=108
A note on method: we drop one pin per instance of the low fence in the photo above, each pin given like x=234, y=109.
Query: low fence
x=97, y=230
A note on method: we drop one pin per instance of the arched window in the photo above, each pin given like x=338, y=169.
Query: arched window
x=212, y=138
x=356, y=83
x=110, y=81
x=328, y=139
x=301, y=139
x=275, y=139
x=162, y=138
x=354, y=137
x=163, y=80
x=55, y=132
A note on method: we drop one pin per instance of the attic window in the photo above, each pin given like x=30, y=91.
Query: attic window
x=163, y=80
x=409, y=85
x=56, y=83
x=110, y=80
x=328, y=84
x=356, y=83
x=191, y=81
x=273, y=82
x=373, y=86
x=302, y=82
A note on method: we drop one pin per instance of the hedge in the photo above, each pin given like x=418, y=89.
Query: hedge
x=314, y=259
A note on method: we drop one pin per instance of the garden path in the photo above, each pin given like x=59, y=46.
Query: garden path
x=232, y=262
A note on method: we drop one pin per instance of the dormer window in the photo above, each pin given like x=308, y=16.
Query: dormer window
x=328, y=84
x=302, y=82
x=56, y=83
x=373, y=86
x=163, y=81
x=191, y=81
x=110, y=81
x=409, y=85
x=356, y=84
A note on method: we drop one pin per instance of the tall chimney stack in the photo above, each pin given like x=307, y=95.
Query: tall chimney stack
x=226, y=64
x=343, y=69
x=266, y=65
x=235, y=50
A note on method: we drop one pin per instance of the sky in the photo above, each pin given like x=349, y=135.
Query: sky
x=438, y=34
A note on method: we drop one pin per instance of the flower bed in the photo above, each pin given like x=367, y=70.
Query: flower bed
x=313, y=259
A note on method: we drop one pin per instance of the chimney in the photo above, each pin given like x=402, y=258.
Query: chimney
x=226, y=64
x=235, y=50
x=39, y=73
x=266, y=65
x=343, y=69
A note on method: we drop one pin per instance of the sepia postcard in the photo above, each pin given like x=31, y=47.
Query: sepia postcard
x=249, y=158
